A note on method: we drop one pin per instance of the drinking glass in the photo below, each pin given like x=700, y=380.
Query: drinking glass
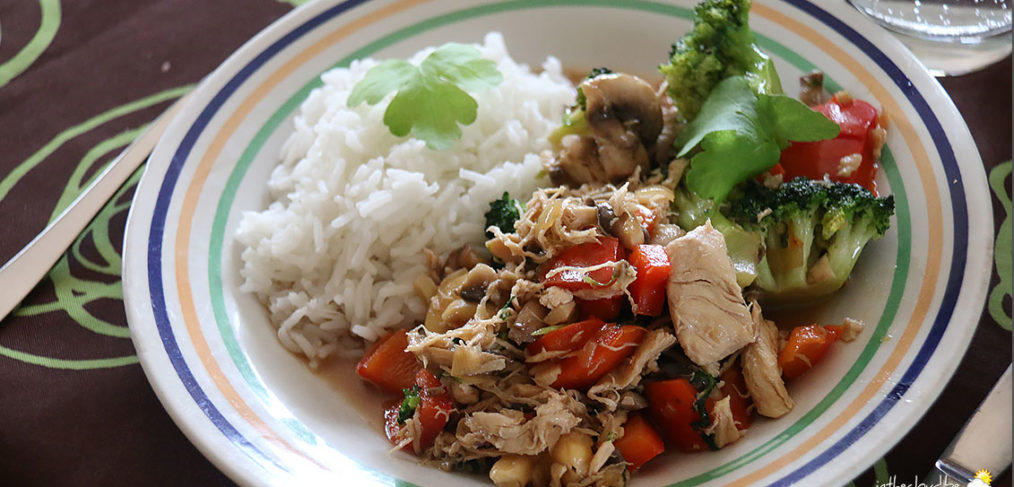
x=950, y=37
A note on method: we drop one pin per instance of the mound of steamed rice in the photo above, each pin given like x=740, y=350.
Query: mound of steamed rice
x=334, y=255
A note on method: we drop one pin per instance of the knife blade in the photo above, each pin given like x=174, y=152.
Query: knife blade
x=30, y=265
x=984, y=442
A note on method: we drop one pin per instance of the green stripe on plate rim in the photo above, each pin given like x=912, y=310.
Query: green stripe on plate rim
x=903, y=226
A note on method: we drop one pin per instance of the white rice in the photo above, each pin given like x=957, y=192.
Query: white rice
x=335, y=253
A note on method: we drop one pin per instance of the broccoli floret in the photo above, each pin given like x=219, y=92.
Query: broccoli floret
x=720, y=45
x=744, y=247
x=813, y=233
x=503, y=213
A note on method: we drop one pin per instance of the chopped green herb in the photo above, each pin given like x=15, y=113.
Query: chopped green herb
x=409, y=404
x=432, y=98
x=504, y=312
x=705, y=383
x=543, y=331
x=592, y=282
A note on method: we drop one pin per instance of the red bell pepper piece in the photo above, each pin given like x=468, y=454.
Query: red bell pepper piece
x=593, y=349
x=647, y=218
x=567, y=338
x=599, y=355
x=806, y=346
x=606, y=249
x=387, y=365
x=434, y=409
x=649, y=289
x=640, y=442
x=432, y=413
x=671, y=404
x=815, y=159
x=604, y=309
x=734, y=386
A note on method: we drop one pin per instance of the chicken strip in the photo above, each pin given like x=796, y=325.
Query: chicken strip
x=705, y=302
x=761, y=372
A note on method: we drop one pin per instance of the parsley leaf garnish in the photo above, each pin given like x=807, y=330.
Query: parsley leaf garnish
x=432, y=98
x=742, y=134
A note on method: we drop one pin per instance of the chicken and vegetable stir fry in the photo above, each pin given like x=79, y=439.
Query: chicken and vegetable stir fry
x=617, y=315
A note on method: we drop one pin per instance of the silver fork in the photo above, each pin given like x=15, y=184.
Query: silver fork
x=24, y=271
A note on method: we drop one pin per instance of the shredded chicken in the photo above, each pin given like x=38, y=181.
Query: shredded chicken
x=705, y=303
x=490, y=335
x=507, y=431
x=542, y=229
x=761, y=372
x=851, y=329
x=723, y=425
x=849, y=164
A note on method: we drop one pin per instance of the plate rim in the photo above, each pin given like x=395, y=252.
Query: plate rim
x=135, y=304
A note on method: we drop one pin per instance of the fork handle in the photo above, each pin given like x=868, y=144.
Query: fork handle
x=24, y=271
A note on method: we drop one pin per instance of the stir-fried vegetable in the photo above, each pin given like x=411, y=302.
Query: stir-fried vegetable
x=671, y=404
x=432, y=411
x=409, y=404
x=648, y=290
x=741, y=134
x=603, y=309
x=566, y=338
x=805, y=347
x=814, y=160
x=610, y=345
x=720, y=45
x=564, y=270
x=593, y=348
x=387, y=365
x=813, y=233
x=734, y=386
x=566, y=349
x=503, y=213
x=640, y=442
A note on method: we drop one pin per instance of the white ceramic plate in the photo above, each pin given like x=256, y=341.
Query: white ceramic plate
x=262, y=417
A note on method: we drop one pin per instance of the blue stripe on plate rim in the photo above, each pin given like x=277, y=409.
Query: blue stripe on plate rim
x=940, y=324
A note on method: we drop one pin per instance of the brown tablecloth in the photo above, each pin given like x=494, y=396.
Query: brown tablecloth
x=77, y=82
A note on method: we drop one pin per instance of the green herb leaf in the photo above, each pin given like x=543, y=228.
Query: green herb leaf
x=409, y=404
x=545, y=330
x=380, y=80
x=741, y=134
x=432, y=99
x=705, y=383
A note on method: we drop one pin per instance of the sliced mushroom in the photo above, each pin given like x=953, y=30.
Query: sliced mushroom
x=620, y=103
x=624, y=122
x=811, y=89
